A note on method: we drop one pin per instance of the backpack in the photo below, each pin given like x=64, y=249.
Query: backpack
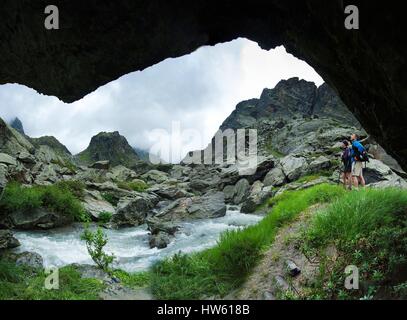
x=360, y=156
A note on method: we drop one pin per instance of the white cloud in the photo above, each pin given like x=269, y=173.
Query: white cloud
x=198, y=90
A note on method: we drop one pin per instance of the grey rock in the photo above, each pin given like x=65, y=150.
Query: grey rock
x=159, y=240
x=7, y=241
x=292, y=269
x=101, y=165
x=242, y=188
x=155, y=176
x=229, y=192
x=30, y=259
x=294, y=166
x=96, y=205
x=156, y=226
x=133, y=211
x=275, y=177
x=7, y=159
x=319, y=164
x=40, y=218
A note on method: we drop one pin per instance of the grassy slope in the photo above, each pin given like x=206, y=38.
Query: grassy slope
x=369, y=230
x=219, y=270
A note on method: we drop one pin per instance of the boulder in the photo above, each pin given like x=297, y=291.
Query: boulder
x=7, y=159
x=294, y=166
x=39, y=218
x=242, y=188
x=258, y=194
x=26, y=158
x=159, y=240
x=199, y=185
x=319, y=164
x=7, y=241
x=30, y=259
x=156, y=226
x=101, y=165
x=132, y=211
x=210, y=205
x=121, y=173
x=96, y=205
x=3, y=176
x=229, y=192
x=169, y=192
x=155, y=176
x=275, y=177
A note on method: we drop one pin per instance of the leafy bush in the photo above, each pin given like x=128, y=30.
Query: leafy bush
x=224, y=267
x=55, y=197
x=76, y=187
x=111, y=198
x=368, y=228
x=95, y=242
x=105, y=217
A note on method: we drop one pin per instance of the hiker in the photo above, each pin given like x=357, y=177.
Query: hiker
x=359, y=155
x=347, y=164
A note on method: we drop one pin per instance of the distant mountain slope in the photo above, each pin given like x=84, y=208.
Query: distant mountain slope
x=53, y=143
x=109, y=146
x=18, y=125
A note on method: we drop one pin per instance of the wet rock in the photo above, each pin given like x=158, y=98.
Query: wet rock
x=159, y=240
x=229, y=192
x=7, y=241
x=156, y=226
x=101, y=165
x=242, y=189
x=30, y=259
x=39, y=218
x=133, y=211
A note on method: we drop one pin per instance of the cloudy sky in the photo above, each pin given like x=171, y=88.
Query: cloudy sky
x=191, y=94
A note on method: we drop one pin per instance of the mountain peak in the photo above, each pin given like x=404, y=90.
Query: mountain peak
x=109, y=146
x=17, y=125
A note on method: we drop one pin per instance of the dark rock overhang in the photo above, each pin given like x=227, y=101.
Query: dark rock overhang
x=99, y=41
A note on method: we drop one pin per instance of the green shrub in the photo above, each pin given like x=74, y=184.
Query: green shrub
x=105, y=217
x=76, y=187
x=54, y=197
x=368, y=228
x=224, y=267
x=95, y=242
x=138, y=186
x=111, y=198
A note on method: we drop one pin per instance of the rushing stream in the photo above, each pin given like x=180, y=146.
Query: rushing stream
x=60, y=247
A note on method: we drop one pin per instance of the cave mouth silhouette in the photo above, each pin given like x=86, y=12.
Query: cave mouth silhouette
x=98, y=42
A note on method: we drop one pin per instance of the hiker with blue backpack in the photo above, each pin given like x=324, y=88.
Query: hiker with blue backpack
x=359, y=156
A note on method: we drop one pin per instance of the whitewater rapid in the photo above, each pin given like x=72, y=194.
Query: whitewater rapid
x=60, y=247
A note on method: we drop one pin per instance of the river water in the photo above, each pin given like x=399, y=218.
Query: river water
x=63, y=246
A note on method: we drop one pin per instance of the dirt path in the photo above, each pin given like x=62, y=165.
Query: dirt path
x=283, y=269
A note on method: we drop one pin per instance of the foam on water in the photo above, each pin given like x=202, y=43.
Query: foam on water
x=63, y=246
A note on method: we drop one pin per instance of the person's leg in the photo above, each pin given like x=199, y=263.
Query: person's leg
x=349, y=180
x=354, y=175
x=362, y=180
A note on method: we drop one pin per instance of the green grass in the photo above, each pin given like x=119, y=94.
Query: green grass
x=369, y=229
x=138, y=186
x=133, y=280
x=23, y=283
x=76, y=187
x=219, y=270
x=55, y=198
x=313, y=177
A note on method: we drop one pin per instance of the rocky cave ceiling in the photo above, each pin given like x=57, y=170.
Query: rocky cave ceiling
x=100, y=41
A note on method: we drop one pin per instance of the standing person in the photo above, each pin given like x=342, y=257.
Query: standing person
x=359, y=155
x=347, y=165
